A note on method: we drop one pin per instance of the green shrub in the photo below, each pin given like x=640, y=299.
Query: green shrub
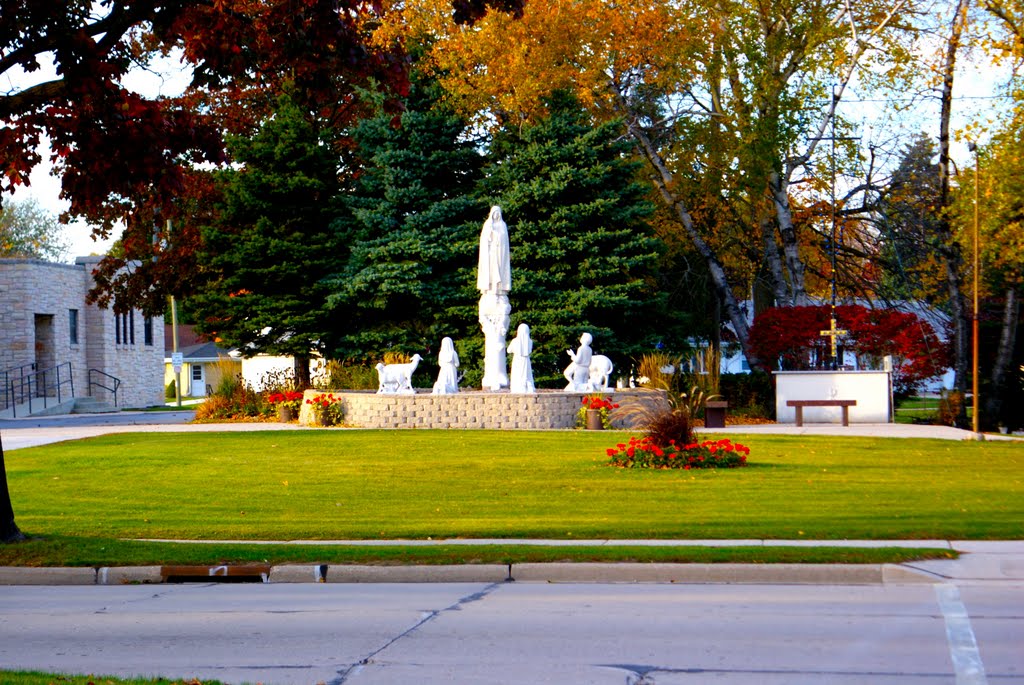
x=749, y=394
x=349, y=375
x=170, y=391
x=234, y=400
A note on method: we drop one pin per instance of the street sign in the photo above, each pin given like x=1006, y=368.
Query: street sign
x=177, y=359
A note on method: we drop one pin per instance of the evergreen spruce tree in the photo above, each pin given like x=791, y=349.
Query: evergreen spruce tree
x=408, y=281
x=583, y=253
x=272, y=244
x=909, y=221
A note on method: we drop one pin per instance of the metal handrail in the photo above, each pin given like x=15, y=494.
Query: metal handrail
x=37, y=385
x=7, y=374
x=116, y=383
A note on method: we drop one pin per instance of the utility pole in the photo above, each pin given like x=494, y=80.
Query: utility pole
x=972, y=147
x=176, y=360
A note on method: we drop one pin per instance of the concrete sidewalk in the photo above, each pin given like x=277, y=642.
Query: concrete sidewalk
x=980, y=563
x=31, y=432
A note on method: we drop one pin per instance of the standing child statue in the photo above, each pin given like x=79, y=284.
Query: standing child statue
x=448, y=377
x=521, y=347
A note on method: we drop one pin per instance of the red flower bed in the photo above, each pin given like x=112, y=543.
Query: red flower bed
x=710, y=454
x=598, y=402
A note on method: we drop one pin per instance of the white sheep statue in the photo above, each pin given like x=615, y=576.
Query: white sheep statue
x=600, y=372
x=396, y=379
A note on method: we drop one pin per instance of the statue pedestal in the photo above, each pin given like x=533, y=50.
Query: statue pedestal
x=494, y=321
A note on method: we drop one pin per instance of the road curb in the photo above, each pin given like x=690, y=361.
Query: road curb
x=19, y=575
x=790, y=574
x=465, y=573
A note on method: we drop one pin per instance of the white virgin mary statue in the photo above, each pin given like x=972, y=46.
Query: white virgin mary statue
x=494, y=270
x=494, y=280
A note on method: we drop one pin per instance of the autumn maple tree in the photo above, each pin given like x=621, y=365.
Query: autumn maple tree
x=998, y=189
x=728, y=104
x=127, y=159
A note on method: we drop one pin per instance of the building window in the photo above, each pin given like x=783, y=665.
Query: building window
x=73, y=326
x=124, y=328
x=147, y=331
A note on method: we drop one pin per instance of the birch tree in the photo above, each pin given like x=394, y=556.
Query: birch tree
x=727, y=102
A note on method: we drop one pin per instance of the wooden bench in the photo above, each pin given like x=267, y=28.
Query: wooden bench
x=800, y=404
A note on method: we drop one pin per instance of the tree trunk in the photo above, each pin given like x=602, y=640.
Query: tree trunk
x=948, y=250
x=302, y=380
x=663, y=181
x=8, y=528
x=773, y=262
x=790, y=245
x=993, y=399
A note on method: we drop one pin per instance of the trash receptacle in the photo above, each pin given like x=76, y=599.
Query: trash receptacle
x=714, y=414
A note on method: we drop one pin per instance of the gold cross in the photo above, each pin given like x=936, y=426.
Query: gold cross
x=834, y=333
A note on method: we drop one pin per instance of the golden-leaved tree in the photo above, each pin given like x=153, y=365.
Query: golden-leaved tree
x=728, y=102
x=994, y=198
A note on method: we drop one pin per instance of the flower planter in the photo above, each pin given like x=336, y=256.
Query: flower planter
x=285, y=414
x=594, y=422
x=714, y=414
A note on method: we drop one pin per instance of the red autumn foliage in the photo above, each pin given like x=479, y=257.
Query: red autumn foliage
x=126, y=159
x=787, y=334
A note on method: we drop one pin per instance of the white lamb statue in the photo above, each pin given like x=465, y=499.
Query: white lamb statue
x=396, y=379
x=600, y=371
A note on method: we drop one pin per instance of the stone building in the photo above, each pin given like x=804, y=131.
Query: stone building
x=46, y=326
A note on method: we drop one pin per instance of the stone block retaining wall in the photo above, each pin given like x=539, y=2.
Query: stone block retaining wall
x=548, y=409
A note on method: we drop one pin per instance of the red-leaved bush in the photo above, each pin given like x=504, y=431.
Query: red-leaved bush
x=787, y=335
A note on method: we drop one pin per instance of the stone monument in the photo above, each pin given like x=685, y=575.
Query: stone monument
x=578, y=372
x=521, y=348
x=494, y=281
x=448, y=377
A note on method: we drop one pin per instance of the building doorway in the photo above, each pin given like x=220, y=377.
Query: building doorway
x=45, y=353
x=198, y=387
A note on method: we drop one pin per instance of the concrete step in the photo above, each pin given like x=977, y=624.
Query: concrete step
x=36, y=408
x=92, y=405
x=75, y=405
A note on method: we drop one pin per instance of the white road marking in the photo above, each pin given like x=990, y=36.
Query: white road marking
x=963, y=648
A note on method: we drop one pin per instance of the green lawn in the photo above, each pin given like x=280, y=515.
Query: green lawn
x=419, y=484
x=917, y=409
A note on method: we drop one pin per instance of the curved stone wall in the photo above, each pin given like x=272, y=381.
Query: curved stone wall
x=547, y=409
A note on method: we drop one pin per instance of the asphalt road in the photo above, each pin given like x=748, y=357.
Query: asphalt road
x=966, y=628
x=532, y=633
